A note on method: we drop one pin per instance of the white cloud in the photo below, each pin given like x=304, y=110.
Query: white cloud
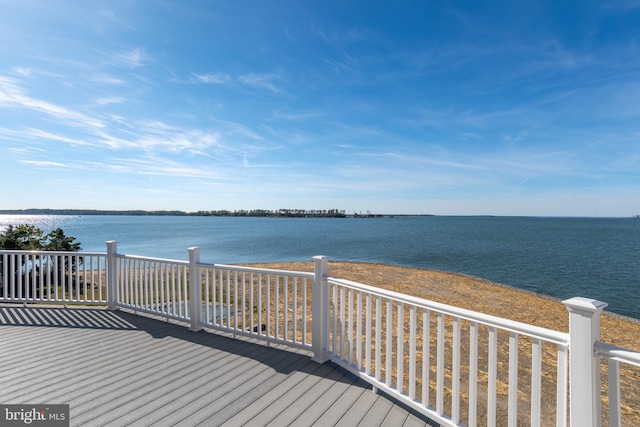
x=38, y=134
x=105, y=78
x=216, y=78
x=109, y=100
x=149, y=135
x=189, y=140
x=158, y=166
x=11, y=95
x=22, y=71
x=111, y=141
x=133, y=58
x=157, y=136
x=282, y=115
x=264, y=81
x=44, y=163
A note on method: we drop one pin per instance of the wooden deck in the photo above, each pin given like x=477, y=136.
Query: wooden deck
x=119, y=368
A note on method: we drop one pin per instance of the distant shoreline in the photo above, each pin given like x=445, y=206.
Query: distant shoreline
x=280, y=213
x=265, y=213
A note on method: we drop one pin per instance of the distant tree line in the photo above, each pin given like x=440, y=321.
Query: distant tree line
x=284, y=213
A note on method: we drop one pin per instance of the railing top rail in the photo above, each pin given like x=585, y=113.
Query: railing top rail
x=257, y=270
x=83, y=253
x=550, y=335
x=617, y=353
x=147, y=258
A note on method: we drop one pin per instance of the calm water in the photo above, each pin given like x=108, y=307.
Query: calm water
x=560, y=257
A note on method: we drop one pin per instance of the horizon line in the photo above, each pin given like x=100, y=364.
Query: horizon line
x=266, y=212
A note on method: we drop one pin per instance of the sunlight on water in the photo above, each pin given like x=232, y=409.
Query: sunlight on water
x=44, y=222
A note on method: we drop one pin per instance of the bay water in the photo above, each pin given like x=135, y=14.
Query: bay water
x=559, y=257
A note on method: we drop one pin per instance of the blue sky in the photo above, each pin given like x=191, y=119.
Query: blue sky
x=424, y=107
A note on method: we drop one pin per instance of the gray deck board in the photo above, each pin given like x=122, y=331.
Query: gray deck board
x=396, y=416
x=334, y=391
x=341, y=406
x=120, y=368
x=262, y=391
x=285, y=395
x=377, y=413
x=308, y=399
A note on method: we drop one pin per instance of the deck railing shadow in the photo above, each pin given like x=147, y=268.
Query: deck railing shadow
x=62, y=317
x=284, y=361
x=265, y=352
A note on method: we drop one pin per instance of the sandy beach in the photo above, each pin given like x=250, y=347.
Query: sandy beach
x=475, y=294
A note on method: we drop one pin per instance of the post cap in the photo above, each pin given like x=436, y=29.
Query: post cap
x=584, y=304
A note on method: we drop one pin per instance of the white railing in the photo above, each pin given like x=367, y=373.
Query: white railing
x=614, y=357
x=432, y=357
x=60, y=277
x=271, y=305
x=153, y=285
x=456, y=366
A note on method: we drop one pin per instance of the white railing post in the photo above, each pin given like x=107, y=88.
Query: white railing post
x=320, y=310
x=112, y=275
x=195, y=290
x=584, y=364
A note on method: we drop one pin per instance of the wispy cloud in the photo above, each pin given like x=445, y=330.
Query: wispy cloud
x=44, y=163
x=109, y=100
x=31, y=72
x=216, y=78
x=148, y=135
x=132, y=58
x=417, y=160
x=22, y=71
x=156, y=136
x=11, y=95
x=107, y=79
x=41, y=135
x=343, y=65
x=160, y=166
x=264, y=81
x=254, y=80
x=294, y=116
x=24, y=150
x=191, y=140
